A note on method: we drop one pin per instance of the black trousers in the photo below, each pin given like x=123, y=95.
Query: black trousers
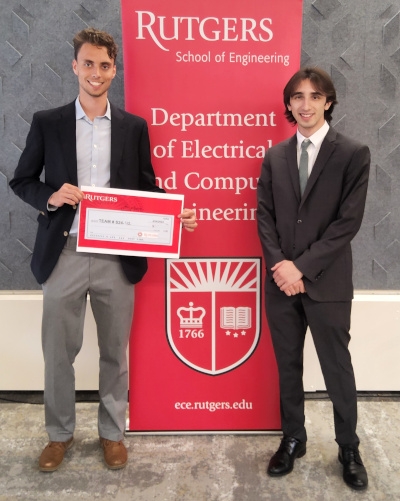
x=288, y=319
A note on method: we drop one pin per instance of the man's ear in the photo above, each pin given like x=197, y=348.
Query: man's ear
x=74, y=66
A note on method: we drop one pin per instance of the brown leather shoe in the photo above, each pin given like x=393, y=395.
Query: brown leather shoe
x=53, y=455
x=115, y=453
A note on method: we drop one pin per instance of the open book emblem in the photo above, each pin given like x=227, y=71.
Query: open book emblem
x=235, y=318
x=213, y=311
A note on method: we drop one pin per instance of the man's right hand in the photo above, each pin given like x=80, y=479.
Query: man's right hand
x=67, y=194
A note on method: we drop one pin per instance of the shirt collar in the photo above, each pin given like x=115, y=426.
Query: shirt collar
x=79, y=113
x=315, y=138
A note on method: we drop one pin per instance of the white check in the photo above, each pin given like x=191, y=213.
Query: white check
x=122, y=226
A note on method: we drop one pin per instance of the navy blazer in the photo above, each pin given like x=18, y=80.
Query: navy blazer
x=51, y=146
x=315, y=230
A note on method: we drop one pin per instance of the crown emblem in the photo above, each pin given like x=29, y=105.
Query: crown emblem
x=191, y=317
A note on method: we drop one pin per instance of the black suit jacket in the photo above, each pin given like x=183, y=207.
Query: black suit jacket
x=314, y=231
x=51, y=145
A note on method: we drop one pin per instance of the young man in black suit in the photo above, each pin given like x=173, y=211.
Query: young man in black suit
x=87, y=142
x=311, y=198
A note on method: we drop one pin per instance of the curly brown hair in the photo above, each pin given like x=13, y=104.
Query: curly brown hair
x=98, y=38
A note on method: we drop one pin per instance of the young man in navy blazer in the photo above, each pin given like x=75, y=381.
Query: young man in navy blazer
x=305, y=232
x=87, y=142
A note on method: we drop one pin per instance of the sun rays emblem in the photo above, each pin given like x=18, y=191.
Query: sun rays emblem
x=213, y=311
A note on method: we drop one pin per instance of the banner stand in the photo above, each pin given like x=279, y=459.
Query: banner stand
x=208, y=78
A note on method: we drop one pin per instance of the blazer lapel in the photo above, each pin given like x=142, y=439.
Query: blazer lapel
x=118, y=133
x=326, y=150
x=67, y=137
x=291, y=157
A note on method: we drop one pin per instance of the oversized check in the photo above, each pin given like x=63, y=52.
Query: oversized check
x=129, y=222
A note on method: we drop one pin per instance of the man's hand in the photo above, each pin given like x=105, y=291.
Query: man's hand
x=67, y=194
x=286, y=274
x=188, y=219
x=296, y=288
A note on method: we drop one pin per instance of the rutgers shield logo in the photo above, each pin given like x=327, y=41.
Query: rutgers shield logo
x=213, y=311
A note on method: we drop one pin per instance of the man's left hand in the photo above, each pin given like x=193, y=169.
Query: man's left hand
x=188, y=218
x=286, y=274
x=296, y=288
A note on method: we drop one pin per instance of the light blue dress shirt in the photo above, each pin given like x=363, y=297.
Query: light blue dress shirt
x=93, y=152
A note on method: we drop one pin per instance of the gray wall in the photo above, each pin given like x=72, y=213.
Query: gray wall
x=356, y=41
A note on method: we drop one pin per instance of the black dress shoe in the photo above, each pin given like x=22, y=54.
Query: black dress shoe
x=354, y=472
x=282, y=461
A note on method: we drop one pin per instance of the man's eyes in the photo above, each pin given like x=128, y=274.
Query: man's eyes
x=315, y=97
x=104, y=66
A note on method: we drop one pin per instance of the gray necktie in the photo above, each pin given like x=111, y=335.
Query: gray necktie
x=303, y=165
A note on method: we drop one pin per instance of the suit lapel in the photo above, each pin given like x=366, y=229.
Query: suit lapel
x=118, y=133
x=67, y=138
x=291, y=157
x=326, y=150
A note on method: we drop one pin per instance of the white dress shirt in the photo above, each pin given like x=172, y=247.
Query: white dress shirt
x=313, y=149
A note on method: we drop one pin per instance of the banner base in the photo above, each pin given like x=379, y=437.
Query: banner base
x=195, y=432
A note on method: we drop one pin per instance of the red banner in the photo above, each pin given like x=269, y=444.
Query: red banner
x=208, y=78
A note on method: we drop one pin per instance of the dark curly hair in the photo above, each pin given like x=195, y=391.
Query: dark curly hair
x=322, y=83
x=98, y=38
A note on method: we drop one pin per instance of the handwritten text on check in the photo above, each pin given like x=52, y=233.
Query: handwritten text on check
x=122, y=226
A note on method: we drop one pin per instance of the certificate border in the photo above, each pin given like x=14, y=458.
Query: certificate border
x=170, y=208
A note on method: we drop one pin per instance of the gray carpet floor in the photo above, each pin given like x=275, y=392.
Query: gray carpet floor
x=198, y=467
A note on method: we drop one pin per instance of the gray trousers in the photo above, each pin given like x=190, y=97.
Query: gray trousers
x=64, y=304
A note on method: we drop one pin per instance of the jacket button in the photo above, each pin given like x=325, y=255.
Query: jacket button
x=65, y=233
x=74, y=207
x=299, y=221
